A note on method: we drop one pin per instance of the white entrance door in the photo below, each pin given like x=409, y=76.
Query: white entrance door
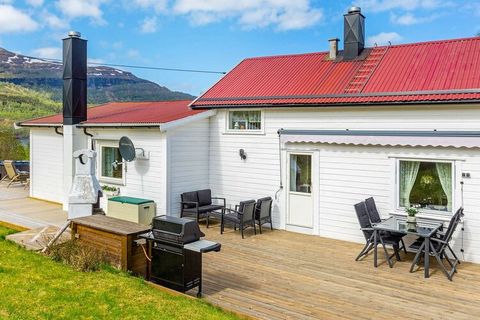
x=300, y=199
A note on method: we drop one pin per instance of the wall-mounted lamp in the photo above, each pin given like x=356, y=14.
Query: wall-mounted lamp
x=242, y=154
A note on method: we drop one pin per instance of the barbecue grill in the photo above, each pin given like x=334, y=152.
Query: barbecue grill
x=175, y=253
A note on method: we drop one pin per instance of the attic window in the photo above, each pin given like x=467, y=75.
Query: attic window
x=250, y=120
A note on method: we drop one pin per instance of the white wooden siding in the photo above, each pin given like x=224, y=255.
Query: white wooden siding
x=144, y=178
x=188, y=155
x=348, y=174
x=46, y=165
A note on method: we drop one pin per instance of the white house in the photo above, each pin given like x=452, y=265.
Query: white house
x=175, y=140
x=321, y=132
x=400, y=123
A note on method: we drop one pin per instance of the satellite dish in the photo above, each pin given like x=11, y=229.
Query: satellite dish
x=127, y=149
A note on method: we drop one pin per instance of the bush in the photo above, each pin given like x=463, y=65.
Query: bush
x=81, y=257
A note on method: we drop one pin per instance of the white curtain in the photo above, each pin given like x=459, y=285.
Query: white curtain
x=444, y=171
x=408, y=175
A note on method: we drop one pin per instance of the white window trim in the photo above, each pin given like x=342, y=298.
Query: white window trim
x=114, y=181
x=423, y=213
x=245, y=131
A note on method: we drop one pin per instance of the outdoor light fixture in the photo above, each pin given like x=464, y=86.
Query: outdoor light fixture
x=243, y=155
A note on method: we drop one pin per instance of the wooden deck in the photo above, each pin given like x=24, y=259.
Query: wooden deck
x=284, y=275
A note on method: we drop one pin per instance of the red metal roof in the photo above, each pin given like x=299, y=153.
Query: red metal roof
x=128, y=113
x=437, y=71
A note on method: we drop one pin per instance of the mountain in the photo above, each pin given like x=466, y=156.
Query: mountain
x=104, y=83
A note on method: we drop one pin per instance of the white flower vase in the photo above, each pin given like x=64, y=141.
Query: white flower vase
x=411, y=219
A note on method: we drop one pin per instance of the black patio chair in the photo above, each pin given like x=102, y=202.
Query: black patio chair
x=438, y=247
x=263, y=212
x=374, y=217
x=368, y=232
x=244, y=217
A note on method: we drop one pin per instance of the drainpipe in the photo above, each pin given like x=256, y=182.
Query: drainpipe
x=91, y=136
x=58, y=132
x=280, y=162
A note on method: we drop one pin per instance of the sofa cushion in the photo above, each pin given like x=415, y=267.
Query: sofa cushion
x=190, y=197
x=204, y=197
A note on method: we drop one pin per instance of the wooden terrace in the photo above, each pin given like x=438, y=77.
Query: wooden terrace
x=285, y=275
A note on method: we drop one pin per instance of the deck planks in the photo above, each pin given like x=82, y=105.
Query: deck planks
x=284, y=275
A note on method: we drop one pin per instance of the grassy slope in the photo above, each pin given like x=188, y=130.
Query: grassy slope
x=34, y=287
x=18, y=103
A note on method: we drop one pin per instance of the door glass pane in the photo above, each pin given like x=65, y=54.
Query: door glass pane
x=301, y=173
x=109, y=156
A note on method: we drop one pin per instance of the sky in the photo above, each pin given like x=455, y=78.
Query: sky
x=218, y=34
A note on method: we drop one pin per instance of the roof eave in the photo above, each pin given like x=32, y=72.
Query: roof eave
x=340, y=104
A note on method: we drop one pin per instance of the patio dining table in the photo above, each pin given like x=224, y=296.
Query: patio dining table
x=400, y=225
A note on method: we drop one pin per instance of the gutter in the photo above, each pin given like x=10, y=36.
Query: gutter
x=331, y=105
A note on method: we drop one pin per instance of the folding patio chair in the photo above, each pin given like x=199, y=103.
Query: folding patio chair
x=374, y=217
x=368, y=232
x=438, y=248
x=14, y=174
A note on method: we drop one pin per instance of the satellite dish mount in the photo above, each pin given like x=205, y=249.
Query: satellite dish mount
x=128, y=151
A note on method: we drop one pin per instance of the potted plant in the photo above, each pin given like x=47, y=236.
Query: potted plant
x=411, y=214
x=110, y=191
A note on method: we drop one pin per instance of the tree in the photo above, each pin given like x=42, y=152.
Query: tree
x=10, y=147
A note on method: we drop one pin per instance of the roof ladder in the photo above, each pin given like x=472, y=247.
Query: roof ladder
x=366, y=70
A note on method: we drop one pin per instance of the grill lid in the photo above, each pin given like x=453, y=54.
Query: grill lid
x=179, y=230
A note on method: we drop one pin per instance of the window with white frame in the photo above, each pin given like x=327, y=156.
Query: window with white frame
x=427, y=185
x=250, y=120
x=110, y=163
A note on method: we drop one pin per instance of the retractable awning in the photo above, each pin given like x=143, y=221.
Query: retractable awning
x=447, y=139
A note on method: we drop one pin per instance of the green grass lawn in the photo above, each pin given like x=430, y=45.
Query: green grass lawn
x=35, y=287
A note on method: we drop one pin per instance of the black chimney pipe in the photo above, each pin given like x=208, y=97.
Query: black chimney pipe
x=353, y=33
x=74, y=79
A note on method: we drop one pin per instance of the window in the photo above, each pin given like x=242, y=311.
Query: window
x=245, y=120
x=426, y=185
x=111, y=166
x=301, y=173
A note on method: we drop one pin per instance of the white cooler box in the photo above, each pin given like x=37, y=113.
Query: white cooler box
x=131, y=209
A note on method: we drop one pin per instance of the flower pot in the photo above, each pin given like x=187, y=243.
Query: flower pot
x=411, y=219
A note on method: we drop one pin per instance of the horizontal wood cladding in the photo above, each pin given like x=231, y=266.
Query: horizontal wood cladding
x=121, y=249
x=347, y=174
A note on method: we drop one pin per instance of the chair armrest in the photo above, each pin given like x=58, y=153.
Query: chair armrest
x=218, y=198
x=366, y=229
x=438, y=240
x=190, y=202
x=233, y=211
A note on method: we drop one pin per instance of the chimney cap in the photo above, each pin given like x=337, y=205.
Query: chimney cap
x=354, y=9
x=74, y=34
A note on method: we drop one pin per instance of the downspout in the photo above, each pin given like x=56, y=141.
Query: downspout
x=58, y=132
x=91, y=136
x=280, y=162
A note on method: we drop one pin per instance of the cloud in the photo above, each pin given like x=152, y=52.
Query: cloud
x=82, y=9
x=408, y=5
x=14, y=20
x=48, y=52
x=409, y=19
x=54, y=21
x=149, y=25
x=157, y=5
x=35, y=3
x=383, y=38
x=283, y=14
x=96, y=60
x=132, y=53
